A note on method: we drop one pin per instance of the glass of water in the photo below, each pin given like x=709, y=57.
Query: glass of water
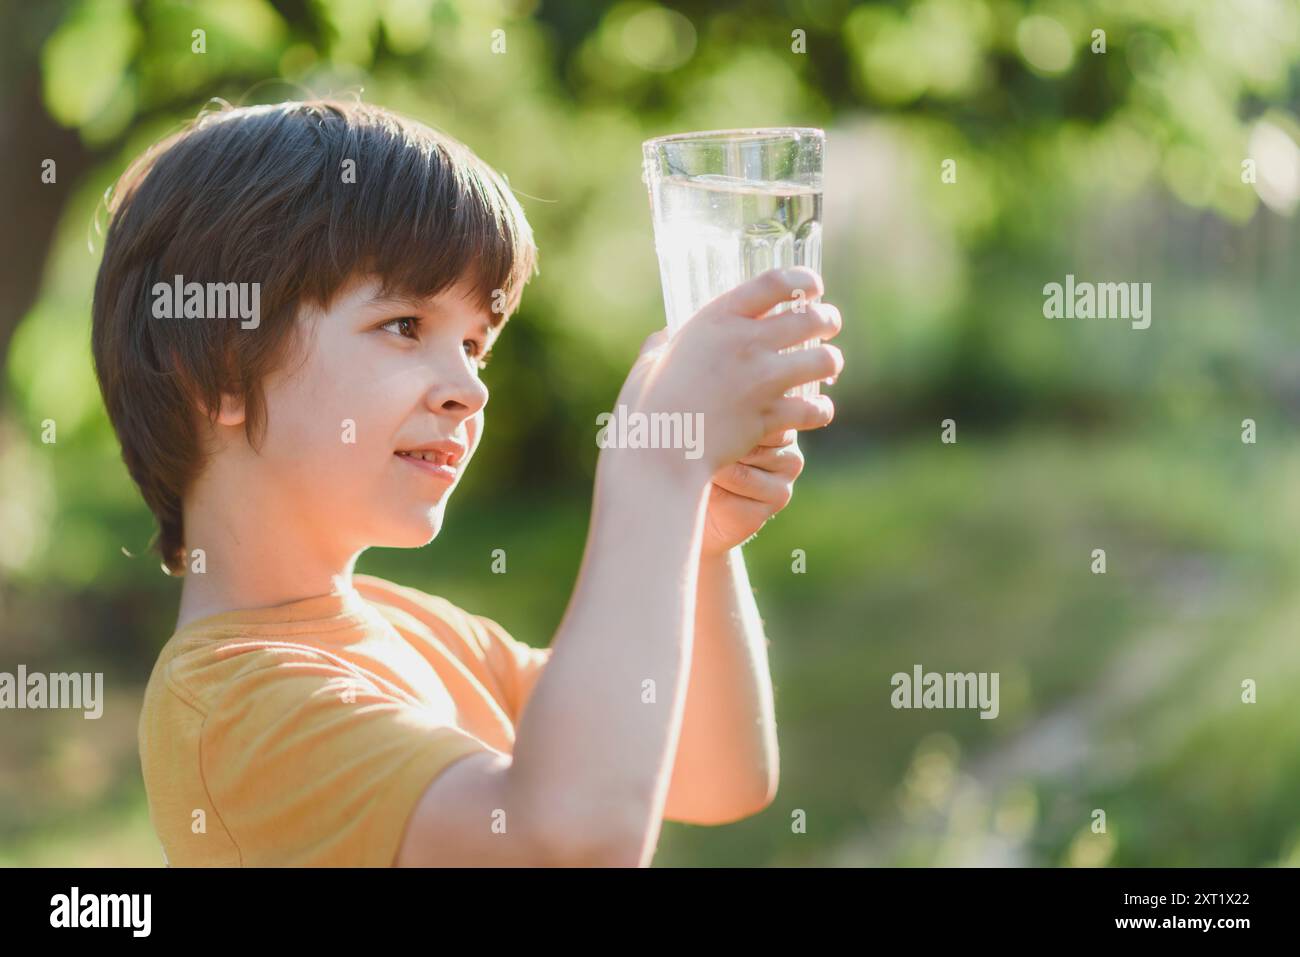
x=730, y=204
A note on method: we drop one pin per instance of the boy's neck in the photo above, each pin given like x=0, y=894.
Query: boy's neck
x=245, y=568
x=203, y=596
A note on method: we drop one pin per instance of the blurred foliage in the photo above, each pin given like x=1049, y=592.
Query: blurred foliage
x=1122, y=165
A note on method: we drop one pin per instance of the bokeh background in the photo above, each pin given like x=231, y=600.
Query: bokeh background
x=1120, y=691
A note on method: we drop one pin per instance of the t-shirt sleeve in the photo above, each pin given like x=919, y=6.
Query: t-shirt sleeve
x=517, y=665
x=310, y=764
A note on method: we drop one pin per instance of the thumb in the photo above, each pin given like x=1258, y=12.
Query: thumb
x=654, y=341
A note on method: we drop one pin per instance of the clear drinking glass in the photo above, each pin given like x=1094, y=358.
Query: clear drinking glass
x=730, y=204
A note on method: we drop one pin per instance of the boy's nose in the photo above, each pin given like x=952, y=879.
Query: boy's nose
x=463, y=393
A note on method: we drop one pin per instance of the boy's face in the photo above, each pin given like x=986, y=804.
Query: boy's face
x=372, y=378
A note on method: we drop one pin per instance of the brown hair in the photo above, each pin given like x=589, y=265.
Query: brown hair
x=260, y=194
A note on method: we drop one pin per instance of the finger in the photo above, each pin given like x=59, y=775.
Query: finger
x=817, y=320
x=749, y=511
x=753, y=483
x=779, y=439
x=756, y=296
x=654, y=341
x=786, y=460
x=799, y=412
x=812, y=364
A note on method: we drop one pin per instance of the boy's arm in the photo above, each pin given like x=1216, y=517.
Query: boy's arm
x=593, y=755
x=727, y=763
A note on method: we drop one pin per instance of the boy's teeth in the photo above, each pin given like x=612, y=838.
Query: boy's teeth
x=430, y=456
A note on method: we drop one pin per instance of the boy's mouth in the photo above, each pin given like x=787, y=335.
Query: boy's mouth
x=430, y=461
x=428, y=455
x=442, y=451
x=439, y=459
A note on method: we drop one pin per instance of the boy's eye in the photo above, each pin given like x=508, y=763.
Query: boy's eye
x=407, y=326
x=474, y=347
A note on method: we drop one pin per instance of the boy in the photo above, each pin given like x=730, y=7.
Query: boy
x=301, y=715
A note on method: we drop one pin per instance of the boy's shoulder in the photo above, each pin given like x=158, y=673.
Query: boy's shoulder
x=419, y=604
x=419, y=614
x=318, y=637
x=479, y=641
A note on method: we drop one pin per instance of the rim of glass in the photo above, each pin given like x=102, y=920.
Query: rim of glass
x=755, y=132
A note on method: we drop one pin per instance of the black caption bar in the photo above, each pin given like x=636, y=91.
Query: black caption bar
x=329, y=906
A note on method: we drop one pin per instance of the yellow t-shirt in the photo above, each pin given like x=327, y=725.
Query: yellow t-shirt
x=304, y=735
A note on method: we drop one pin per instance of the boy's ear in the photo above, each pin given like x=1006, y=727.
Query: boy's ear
x=230, y=412
x=232, y=409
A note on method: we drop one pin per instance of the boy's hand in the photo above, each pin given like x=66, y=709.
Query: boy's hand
x=745, y=494
x=729, y=367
